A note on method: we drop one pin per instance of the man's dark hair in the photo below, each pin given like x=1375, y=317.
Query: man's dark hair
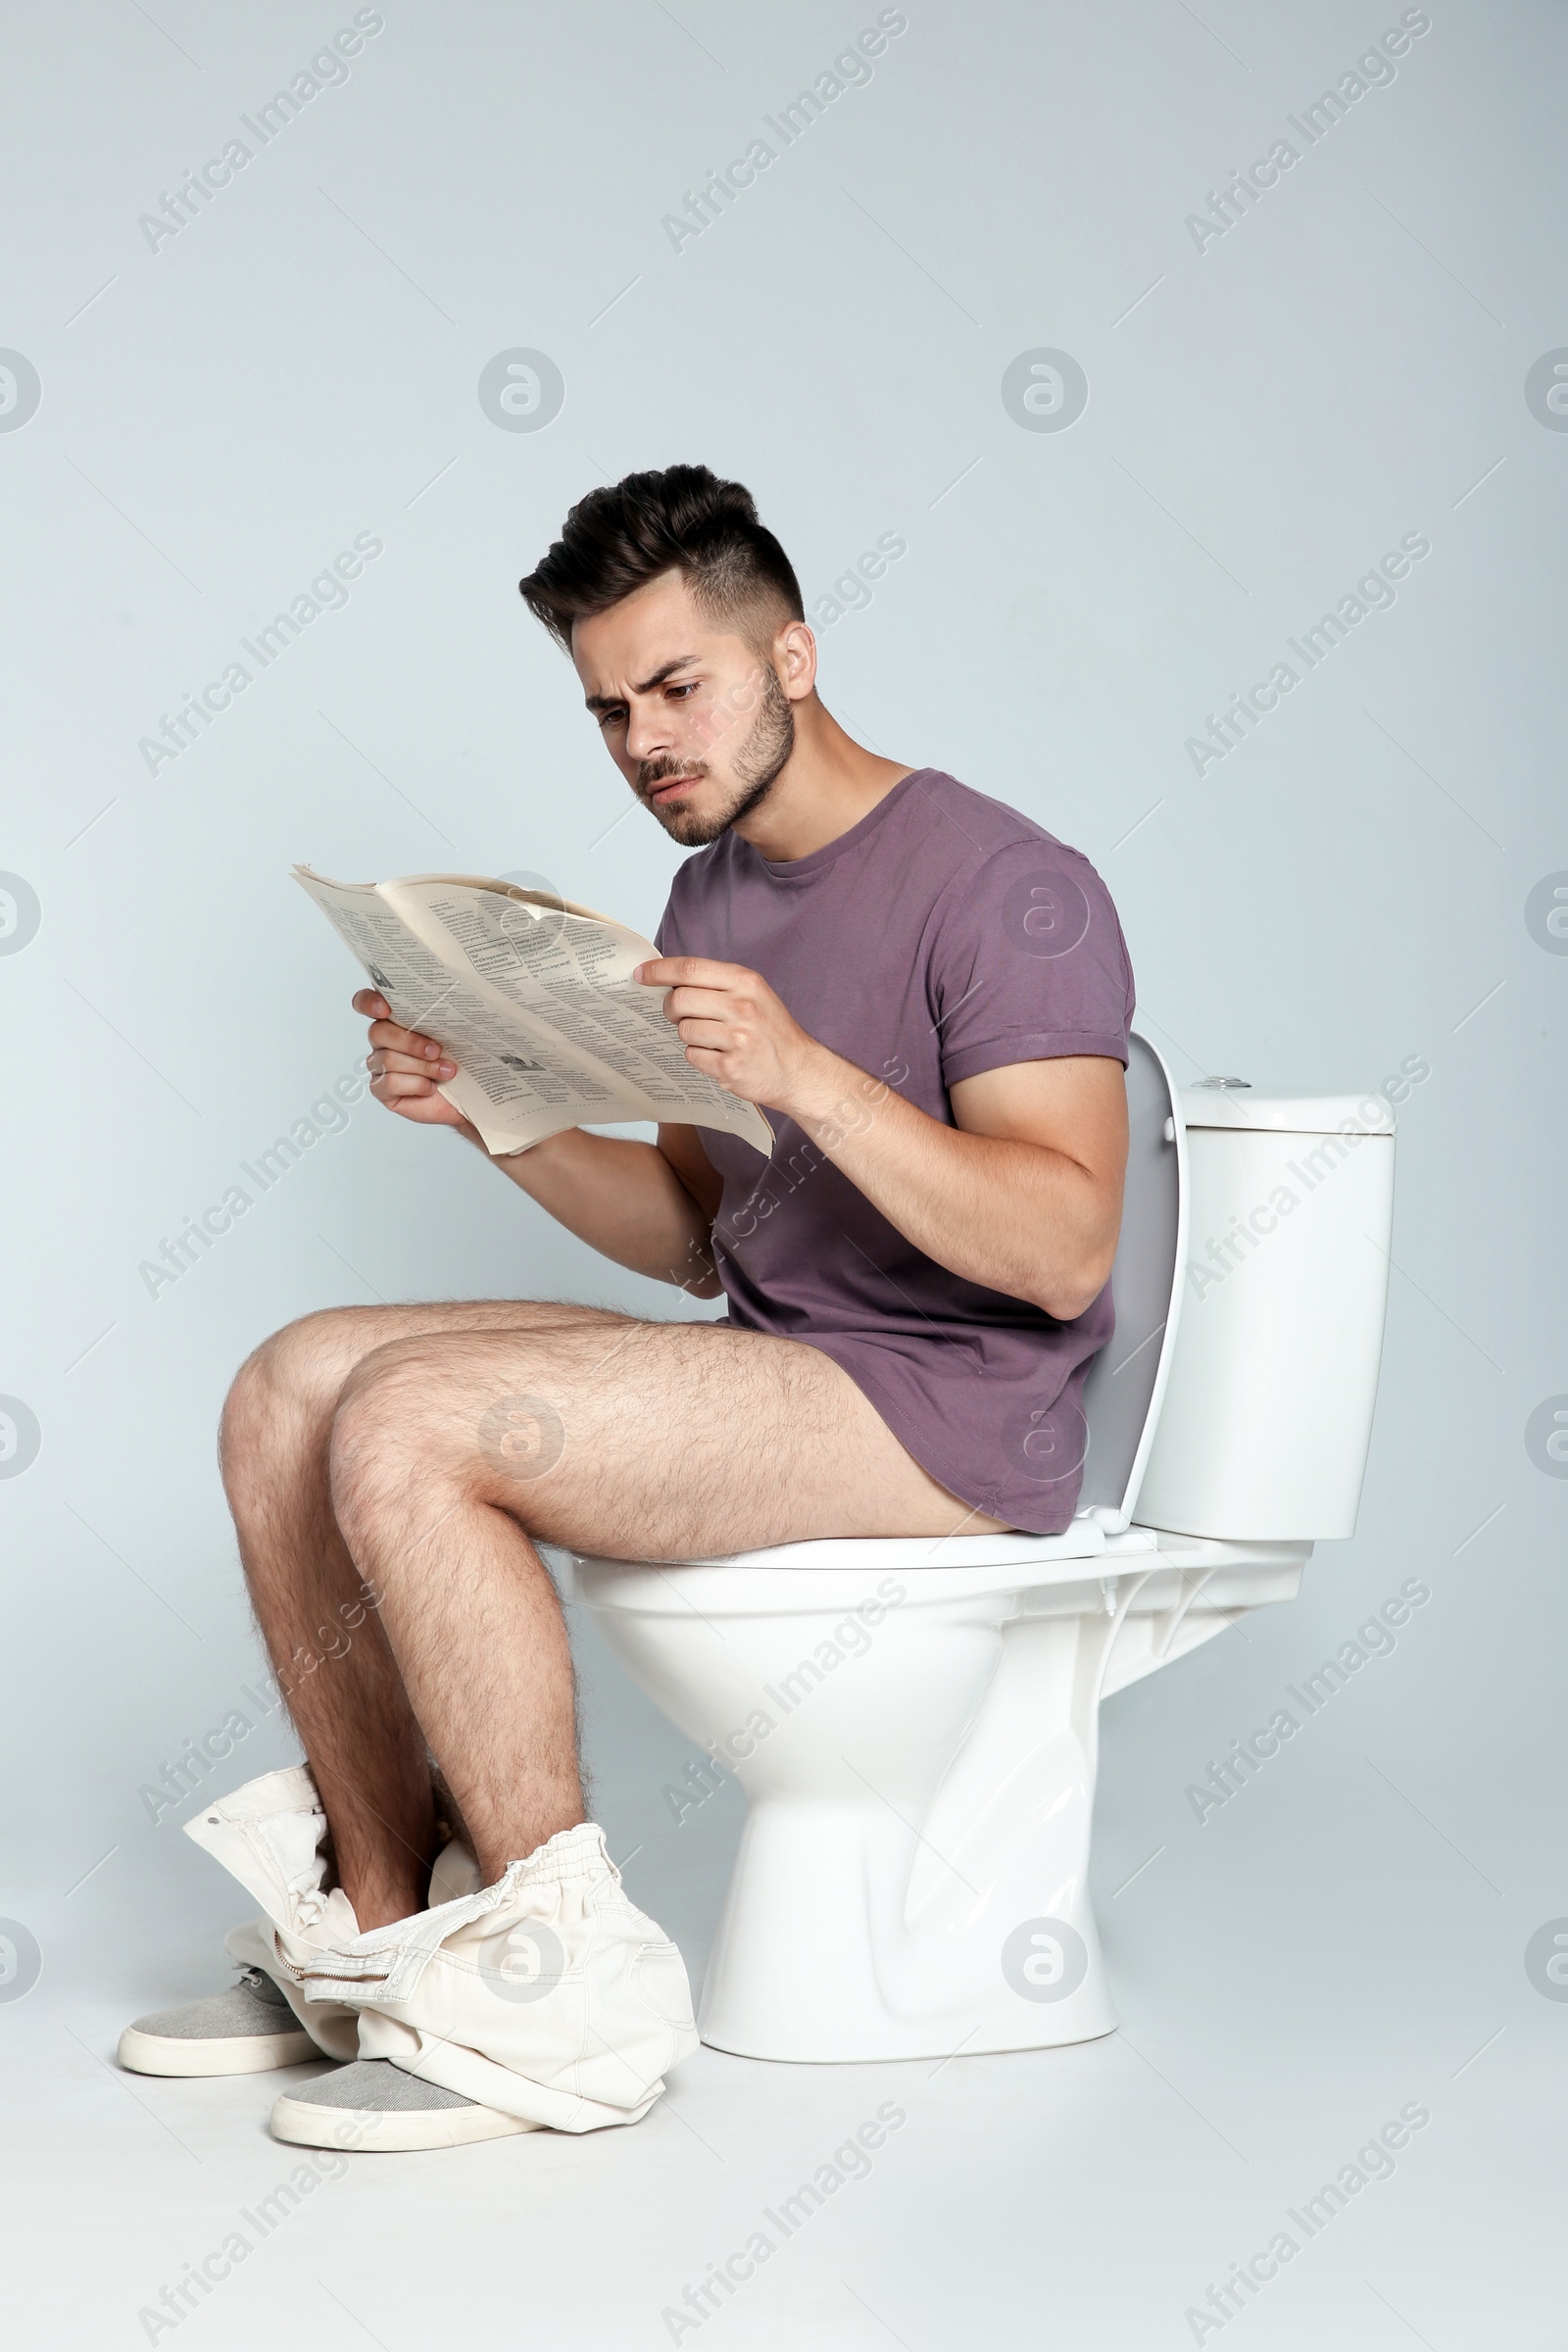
x=682, y=519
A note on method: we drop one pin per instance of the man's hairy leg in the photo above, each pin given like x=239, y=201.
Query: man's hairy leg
x=338, y=1673
x=454, y=1454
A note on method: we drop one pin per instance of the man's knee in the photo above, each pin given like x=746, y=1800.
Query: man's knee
x=420, y=1416
x=392, y=1431
x=300, y=1366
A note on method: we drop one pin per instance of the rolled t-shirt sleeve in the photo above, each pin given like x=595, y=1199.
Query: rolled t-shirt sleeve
x=1028, y=964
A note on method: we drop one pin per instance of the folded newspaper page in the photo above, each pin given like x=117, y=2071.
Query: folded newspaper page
x=534, y=1001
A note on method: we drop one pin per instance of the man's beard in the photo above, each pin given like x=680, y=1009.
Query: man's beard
x=757, y=765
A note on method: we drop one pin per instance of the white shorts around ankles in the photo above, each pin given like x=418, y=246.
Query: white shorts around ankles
x=547, y=1996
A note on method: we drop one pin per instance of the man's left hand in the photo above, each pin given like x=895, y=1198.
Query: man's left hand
x=735, y=1028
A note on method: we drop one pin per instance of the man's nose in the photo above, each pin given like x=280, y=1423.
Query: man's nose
x=649, y=731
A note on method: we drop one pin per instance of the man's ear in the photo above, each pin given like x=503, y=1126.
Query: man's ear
x=795, y=660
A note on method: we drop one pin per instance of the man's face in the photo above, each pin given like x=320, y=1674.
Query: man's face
x=696, y=719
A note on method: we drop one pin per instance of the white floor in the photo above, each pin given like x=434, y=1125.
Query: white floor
x=1341, y=1942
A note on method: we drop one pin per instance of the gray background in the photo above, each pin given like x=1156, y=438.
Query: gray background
x=1343, y=891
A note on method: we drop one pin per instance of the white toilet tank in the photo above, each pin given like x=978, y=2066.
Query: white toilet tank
x=1267, y=1413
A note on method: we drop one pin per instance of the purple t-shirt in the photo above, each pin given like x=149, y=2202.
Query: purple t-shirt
x=942, y=934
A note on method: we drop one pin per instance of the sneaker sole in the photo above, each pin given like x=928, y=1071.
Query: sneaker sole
x=398, y=2131
x=230, y=2054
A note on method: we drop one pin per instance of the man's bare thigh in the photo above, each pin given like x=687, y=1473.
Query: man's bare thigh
x=655, y=1440
x=327, y=1345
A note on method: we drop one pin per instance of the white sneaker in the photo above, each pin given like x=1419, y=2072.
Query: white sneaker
x=246, y=2031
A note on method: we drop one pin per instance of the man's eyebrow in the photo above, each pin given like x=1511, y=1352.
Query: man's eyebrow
x=608, y=702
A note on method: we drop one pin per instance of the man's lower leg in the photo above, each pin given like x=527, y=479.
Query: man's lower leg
x=471, y=1615
x=330, y=1654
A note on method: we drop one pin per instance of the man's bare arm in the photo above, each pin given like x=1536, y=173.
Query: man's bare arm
x=1024, y=1196
x=649, y=1207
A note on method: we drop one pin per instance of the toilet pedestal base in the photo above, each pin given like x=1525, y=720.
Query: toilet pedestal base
x=918, y=1757
x=814, y=1961
x=898, y=1911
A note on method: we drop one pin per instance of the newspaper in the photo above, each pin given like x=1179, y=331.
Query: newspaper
x=533, y=998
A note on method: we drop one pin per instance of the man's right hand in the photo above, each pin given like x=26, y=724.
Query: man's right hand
x=649, y=1206
x=404, y=1066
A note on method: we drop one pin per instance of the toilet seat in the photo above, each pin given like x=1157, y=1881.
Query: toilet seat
x=858, y=1555
x=793, y=1579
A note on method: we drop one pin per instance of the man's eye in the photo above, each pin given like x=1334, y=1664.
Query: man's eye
x=681, y=692
x=609, y=718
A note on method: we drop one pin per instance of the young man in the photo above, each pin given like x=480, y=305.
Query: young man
x=931, y=998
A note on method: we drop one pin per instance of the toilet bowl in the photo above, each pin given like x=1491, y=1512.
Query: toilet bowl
x=914, y=1722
